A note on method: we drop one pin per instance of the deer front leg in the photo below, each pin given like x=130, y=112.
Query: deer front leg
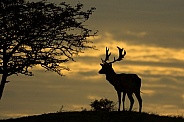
x=124, y=94
x=119, y=100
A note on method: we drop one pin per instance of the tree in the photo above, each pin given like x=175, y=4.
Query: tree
x=40, y=33
x=103, y=105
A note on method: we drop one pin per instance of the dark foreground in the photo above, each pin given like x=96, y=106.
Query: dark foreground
x=90, y=116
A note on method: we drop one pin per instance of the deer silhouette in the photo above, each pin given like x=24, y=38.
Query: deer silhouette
x=126, y=83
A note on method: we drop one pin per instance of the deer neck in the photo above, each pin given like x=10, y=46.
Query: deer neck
x=110, y=76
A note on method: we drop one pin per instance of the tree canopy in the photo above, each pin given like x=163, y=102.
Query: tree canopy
x=40, y=33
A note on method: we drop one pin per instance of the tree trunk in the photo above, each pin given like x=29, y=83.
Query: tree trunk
x=3, y=81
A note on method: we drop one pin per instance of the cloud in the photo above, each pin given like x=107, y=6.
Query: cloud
x=93, y=97
x=136, y=34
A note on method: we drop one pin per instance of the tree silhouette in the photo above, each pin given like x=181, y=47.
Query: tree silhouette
x=40, y=33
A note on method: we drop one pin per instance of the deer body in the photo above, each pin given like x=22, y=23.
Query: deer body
x=123, y=83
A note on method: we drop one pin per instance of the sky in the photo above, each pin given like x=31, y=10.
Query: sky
x=151, y=32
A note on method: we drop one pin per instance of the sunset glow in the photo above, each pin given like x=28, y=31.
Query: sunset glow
x=152, y=35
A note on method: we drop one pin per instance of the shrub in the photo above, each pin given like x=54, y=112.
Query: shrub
x=102, y=105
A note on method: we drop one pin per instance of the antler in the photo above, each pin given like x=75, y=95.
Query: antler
x=106, y=56
x=121, y=56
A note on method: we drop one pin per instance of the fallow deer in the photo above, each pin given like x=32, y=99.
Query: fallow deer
x=126, y=83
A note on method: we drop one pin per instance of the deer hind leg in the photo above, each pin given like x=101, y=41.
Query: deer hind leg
x=131, y=100
x=124, y=94
x=119, y=100
x=137, y=94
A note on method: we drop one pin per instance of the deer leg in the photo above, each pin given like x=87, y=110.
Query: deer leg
x=119, y=99
x=131, y=100
x=124, y=94
x=137, y=94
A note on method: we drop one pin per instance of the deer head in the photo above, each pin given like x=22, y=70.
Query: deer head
x=107, y=66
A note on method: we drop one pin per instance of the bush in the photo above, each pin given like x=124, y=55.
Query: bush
x=102, y=105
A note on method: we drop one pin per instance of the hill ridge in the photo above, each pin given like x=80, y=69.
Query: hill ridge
x=92, y=116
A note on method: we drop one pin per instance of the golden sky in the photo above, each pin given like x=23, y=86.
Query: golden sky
x=152, y=33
